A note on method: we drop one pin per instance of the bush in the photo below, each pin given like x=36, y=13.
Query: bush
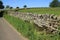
x=1, y=13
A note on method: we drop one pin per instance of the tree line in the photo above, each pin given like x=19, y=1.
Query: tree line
x=54, y=3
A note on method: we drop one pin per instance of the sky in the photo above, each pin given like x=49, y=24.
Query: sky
x=29, y=3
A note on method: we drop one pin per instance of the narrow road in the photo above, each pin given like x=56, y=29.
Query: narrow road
x=8, y=33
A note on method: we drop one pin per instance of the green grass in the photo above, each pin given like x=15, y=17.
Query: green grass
x=25, y=28
x=42, y=10
x=28, y=30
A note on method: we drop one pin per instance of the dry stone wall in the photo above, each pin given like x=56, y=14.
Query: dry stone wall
x=49, y=22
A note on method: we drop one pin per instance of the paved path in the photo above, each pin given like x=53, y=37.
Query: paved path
x=7, y=32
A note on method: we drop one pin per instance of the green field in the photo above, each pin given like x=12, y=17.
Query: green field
x=42, y=10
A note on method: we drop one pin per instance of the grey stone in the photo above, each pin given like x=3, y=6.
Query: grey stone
x=50, y=22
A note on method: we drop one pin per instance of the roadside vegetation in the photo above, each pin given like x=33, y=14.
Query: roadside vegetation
x=29, y=30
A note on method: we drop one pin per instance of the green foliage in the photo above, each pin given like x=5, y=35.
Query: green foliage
x=29, y=30
x=25, y=6
x=55, y=3
x=11, y=7
x=1, y=13
x=1, y=5
x=7, y=6
x=17, y=7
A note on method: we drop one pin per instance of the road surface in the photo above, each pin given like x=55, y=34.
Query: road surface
x=8, y=33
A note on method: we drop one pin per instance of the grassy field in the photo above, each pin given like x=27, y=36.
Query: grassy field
x=42, y=10
x=28, y=30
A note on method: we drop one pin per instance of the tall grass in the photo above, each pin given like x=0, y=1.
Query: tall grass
x=28, y=29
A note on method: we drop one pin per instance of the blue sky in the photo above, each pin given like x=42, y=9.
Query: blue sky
x=29, y=3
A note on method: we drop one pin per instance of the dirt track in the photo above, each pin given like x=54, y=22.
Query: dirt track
x=7, y=32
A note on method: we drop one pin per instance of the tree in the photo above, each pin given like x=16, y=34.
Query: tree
x=7, y=6
x=59, y=4
x=11, y=7
x=25, y=6
x=1, y=5
x=17, y=7
x=54, y=3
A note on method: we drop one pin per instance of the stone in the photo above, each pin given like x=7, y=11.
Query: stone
x=50, y=22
